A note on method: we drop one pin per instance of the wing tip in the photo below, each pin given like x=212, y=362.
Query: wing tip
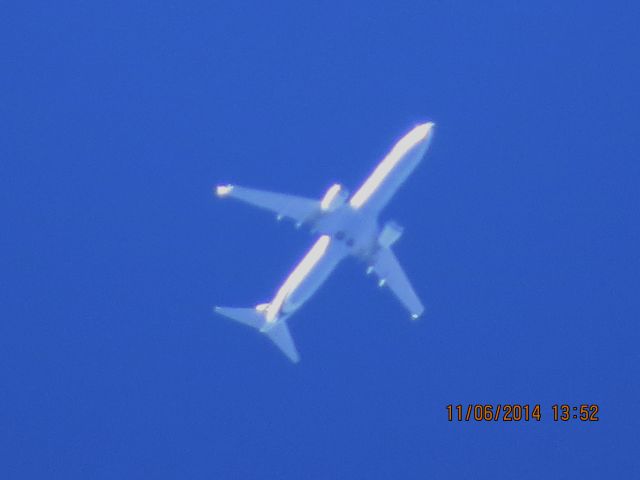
x=417, y=315
x=295, y=358
x=223, y=190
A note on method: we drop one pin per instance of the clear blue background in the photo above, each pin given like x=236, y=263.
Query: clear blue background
x=521, y=235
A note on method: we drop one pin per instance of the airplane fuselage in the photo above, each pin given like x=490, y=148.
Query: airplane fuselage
x=357, y=230
x=344, y=228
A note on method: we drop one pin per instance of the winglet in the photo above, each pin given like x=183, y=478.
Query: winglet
x=223, y=190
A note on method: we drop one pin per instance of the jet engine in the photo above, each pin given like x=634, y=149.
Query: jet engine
x=334, y=198
x=390, y=234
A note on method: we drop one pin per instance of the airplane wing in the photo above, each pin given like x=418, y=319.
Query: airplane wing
x=390, y=272
x=299, y=209
x=393, y=170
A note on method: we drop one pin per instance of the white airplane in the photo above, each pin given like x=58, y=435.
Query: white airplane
x=345, y=228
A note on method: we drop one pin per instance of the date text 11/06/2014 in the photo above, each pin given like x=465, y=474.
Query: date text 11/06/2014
x=516, y=412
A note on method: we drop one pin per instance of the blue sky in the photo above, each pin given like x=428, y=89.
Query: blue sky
x=521, y=234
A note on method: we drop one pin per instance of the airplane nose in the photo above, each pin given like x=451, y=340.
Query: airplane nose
x=421, y=132
x=428, y=127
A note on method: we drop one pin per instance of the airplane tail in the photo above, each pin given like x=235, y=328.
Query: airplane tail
x=278, y=333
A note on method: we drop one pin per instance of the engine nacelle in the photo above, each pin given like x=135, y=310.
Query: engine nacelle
x=334, y=198
x=390, y=234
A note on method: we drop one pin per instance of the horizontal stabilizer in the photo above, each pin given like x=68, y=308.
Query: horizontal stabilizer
x=299, y=209
x=248, y=316
x=278, y=332
x=280, y=335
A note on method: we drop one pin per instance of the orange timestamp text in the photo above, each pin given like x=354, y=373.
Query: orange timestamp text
x=521, y=412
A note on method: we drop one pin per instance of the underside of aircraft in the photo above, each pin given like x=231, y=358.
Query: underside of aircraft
x=345, y=226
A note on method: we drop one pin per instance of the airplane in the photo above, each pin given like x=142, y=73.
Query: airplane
x=345, y=228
